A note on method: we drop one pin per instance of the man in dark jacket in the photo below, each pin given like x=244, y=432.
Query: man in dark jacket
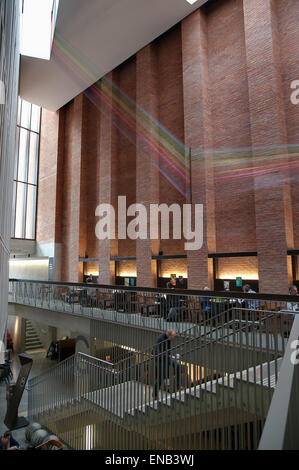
x=163, y=361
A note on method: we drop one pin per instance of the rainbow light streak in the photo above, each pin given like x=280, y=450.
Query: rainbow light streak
x=132, y=120
x=156, y=141
x=246, y=163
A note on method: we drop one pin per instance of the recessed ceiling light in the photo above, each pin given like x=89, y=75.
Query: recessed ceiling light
x=191, y=1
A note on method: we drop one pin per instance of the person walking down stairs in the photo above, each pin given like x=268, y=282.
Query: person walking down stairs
x=163, y=361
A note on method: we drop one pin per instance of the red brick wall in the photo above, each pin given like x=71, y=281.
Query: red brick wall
x=171, y=116
x=126, y=177
x=173, y=266
x=234, y=195
x=245, y=267
x=71, y=190
x=268, y=129
x=46, y=207
x=91, y=200
x=198, y=136
x=107, y=171
x=287, y=12
x=147, y=158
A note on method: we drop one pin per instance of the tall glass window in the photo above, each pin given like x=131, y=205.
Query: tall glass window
x=26, y=171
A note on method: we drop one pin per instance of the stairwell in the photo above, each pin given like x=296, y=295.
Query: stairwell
x=219, y=408
x=32, y=340
x=126, y=412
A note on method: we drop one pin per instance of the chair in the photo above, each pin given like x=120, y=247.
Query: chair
x=60, y=293
x=146, y=306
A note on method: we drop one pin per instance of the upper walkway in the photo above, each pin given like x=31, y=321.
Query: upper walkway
x=234, y=318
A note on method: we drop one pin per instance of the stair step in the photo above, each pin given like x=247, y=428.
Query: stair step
x=32, y=339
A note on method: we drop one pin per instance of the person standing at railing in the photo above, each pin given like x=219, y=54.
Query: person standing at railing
x=163, y=361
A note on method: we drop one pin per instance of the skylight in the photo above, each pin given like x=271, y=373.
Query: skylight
x=38, y=26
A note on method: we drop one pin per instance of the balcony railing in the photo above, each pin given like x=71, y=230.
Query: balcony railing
x=158, y=309
x=212, y=391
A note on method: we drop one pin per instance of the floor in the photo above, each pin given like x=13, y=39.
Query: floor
x=40, y=364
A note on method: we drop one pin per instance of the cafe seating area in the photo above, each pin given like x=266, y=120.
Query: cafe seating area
x=192, y=309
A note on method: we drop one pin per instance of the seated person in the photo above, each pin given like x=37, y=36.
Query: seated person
x=205, y=302
x=7, y=442
x=180, y=282
x=89, y=279
x=291, y=306
x=174, y=306
x=251, y=304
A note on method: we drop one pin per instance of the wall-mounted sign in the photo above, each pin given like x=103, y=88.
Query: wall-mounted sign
x=238, y=281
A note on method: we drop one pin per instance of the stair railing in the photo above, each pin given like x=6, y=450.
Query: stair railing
x=210, y=392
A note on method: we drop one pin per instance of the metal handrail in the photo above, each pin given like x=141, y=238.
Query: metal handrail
x=181, y=292
x=222, y=373
x=117, y=397
x=281, y=429
x=171, y=351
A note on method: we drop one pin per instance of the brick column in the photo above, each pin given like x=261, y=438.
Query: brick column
x=198, y=136
x=107, y=178
x=72, y=191
x=49, y=189
x=147, y=159
x=268, y=130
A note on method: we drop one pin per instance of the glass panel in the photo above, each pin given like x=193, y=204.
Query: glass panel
x=23, y=155
x=20, y=210
x=35, y=118
x=31, y=210
x=33, y=158
x=13, y=209
x=25, y=116
x=26, y=170
x=19, y=111
x=17, y=154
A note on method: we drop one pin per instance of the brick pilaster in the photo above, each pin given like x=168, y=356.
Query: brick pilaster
x=107, y=183
x=198, y=136
x=72, y=193
x=269, y=145
x=147, y=159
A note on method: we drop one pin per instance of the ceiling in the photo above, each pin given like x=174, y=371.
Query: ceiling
x=93, y=37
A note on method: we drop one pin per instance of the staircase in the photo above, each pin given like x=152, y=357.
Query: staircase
x=126, y=413
x=230, y=378
x=32, y=340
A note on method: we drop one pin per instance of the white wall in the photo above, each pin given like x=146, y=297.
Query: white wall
x=9, y=76
x=32, y=269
